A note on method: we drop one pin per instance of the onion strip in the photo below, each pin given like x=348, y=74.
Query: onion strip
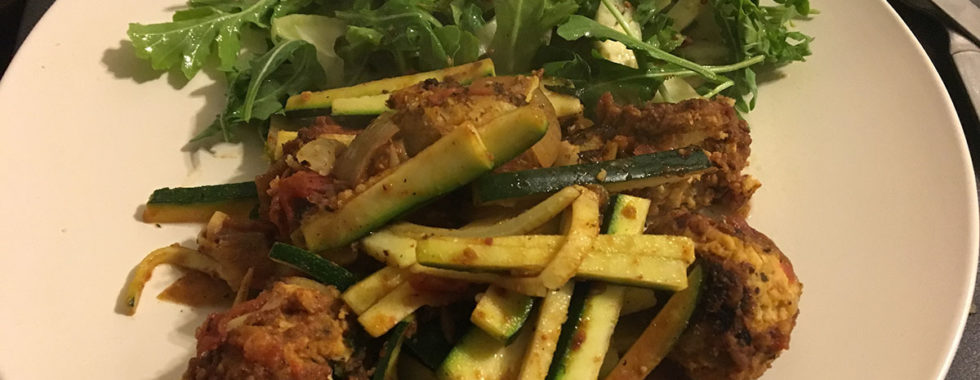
x=174, y=255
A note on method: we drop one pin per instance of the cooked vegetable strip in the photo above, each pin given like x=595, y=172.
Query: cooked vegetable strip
x=554, y=311
x=453, y=160
x=400, y=303
x=528, y=254
x=615, y=175
x=642, y=271
x=588, y=334
x=389, y=248
x=501, y=312
x=197, y=204
x=368, y=291
x=385, y=369
x=659, y=337
x=518, y=225
x=638, y=299
x=582, y=230
x=324, y=99
x=480, y=356
x=174, y=255
x=319, y=268
x=479, y=278
x=361, y=105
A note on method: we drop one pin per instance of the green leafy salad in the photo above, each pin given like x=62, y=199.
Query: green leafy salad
x=636, y=50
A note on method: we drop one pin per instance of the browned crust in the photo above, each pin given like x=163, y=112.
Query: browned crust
x=749, y=303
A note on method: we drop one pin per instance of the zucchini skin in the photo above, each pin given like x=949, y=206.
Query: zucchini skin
x=317, y=267
x=204, y=194
x=429, y=344
x=566, y=340
x=499, y=186
x=197, y=204
x=385, y=370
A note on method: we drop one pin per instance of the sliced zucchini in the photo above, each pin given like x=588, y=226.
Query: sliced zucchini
x=617, y=175
x=385, y=369
x=500, y=312
x=653, y=261
x=530, y=253
x=430, y=344
x=525, y=222
x=638, y=299
x=197, y=204
x=627, y=216
x=400, y=303
x=322, y=270
x=583, y=227
x=547, y=329
x=661, y=334
x=455, y=159
x=585, y=336
x=324, y=99
x=364, y=294
x=478, y=356
x=589, y=339
x=362, y=105
x=389, y=248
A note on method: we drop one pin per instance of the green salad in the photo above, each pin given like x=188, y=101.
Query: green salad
x=589, y=47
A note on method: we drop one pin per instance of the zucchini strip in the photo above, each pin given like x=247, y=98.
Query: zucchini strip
x=541, y=350
x=174, y=255
x=480, y=356
x=628, y=173
x=323, y=270
x=479, y=278
x=587, y=335
x=458, y=157
x=197, y=204
x=660, y=335
x=324, y=99
x=389, y=248
x=394, y=307
x=638, y=299
x=385, y=370
x=583, y=229
x=525, y=222
x=500, y=313
x=364, y=294
x=528, y=254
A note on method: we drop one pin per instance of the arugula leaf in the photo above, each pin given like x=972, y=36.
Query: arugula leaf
x=522, y=27
x=187, y=41
x=467, y=15
x=578, y=26
x=322, y=32
x=257, y=92
x=750, y=29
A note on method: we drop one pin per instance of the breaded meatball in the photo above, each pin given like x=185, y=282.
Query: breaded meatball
x=294, y=330
x=749, y=303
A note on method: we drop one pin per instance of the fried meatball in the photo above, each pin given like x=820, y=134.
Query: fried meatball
x=749, y=302
x=712, y=125
x=295, y=330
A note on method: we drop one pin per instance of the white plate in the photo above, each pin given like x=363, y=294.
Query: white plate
x=867, y=187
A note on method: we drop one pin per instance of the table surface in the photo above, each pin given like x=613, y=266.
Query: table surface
x=932, y=36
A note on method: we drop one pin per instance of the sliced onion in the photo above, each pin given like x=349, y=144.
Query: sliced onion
x=320, y=155
x=352, y=165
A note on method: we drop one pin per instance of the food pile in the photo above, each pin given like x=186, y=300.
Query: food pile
x=458, y=223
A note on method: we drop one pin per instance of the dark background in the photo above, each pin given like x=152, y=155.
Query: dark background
x=17, y=17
